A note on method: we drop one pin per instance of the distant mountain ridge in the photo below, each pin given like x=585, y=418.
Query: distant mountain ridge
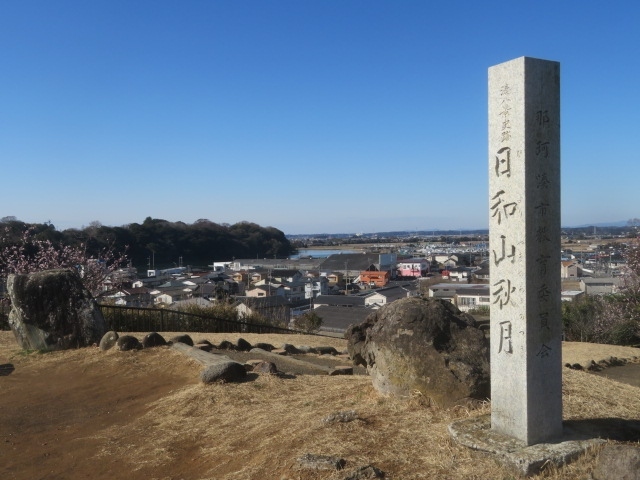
x=450, y=232
x=619, y=223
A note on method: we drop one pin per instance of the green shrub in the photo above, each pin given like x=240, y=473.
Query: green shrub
x=309, y=322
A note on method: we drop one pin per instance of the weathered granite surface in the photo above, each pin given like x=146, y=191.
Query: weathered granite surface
x=51, y=310
x=527, y=460
x=426, y=345
x=524, y=241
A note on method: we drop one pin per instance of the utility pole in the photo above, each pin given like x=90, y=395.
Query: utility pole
x=346, y=278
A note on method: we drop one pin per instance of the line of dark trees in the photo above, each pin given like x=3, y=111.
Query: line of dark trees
x=163, y=243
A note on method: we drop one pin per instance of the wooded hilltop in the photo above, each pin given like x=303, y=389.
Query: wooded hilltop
x=162, y=243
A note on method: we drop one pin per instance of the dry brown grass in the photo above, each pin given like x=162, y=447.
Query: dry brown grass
x=257, y=429
x=583, y=353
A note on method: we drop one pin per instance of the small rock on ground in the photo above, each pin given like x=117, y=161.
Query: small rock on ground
x=186, y=339
x=128, y=342
x=108, y=340
x=364, y=473
x=265, y=367
x=341, y=417
x=223, y=372
x=153, y=339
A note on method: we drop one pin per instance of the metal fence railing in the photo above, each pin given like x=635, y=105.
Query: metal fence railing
x=135, y=319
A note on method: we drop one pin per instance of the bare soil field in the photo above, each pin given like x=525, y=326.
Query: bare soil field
x=145, y=415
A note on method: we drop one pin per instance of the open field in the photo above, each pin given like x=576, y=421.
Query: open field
x=122, y=415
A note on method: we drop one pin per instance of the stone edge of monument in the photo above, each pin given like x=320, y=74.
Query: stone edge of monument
x=524, y=238
x=476, y=433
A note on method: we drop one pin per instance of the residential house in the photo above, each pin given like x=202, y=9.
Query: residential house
x=452, y=260
x=600, y=286
x=570, y=269
x=275, y=308
x=286, y=275
x=442, y=258
x=374, y=278
x=266, y=291
x=240, y=277
x=472, y=298
x=133, y=297
x=351, y=264
x=316, y=286
x=465, y=296
x=383, y=296
x=450, y=263
x=249, y=277
x=171, y=295
x=294, y=290
x=293, y=287
x=256, y=276
x=458, y=273
x=482, y=273
x=413, y=267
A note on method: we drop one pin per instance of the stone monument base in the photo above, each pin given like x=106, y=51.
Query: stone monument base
x=476, y=433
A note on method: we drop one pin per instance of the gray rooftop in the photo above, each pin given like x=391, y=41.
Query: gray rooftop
x=339, y=318
x=353, y=262
x=340, y=300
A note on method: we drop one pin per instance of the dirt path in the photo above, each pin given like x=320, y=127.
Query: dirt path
x=58, y=410
x=50, y=413
x=144, y=414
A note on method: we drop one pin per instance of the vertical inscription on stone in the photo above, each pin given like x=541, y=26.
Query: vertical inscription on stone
x=524, y=224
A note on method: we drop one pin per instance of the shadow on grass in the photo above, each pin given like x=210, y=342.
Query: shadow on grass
x=6, y=369
x=618, y=429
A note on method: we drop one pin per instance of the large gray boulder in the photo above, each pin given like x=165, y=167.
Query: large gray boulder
x=424, y=345
x=51, y=310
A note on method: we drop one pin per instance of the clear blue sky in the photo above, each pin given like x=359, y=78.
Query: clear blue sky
x=309, y=116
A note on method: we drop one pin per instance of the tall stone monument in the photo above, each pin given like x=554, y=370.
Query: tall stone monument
x=524, y=226
x=525, y=429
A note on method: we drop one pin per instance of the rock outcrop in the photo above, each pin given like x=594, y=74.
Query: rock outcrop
x=51, y=310
x=426, y=345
